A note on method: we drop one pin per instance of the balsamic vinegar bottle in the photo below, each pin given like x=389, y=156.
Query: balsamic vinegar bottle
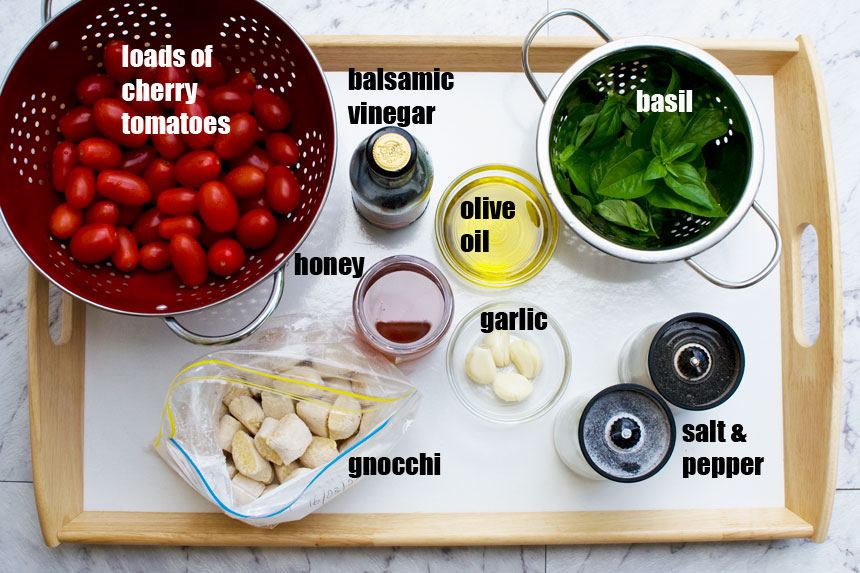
x=391, y=176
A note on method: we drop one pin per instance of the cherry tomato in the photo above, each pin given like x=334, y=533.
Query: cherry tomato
x=197, y=167
x=226, y=257
x=155, y=256
x=208, y=237
x=93, y=88
x=213, y=74
x=65, y=221
x=239, y=140
x=271, y=111
x=179, y=224
x=244, y=81
x=177, y=201
x=217, y=206
x=145, y=229
x=282, y=148
x=78, y=123
x=169, y=146
x=108, y=114
x=126, y=256
x=202, y=93
x=147, y=73
x=137, y=160
x=172, y=75
x=64, y=160
x=226, y=100
x=128, y=214
x=113, y=62
x=262, y=134
x=160, y=175
x=256, y=158
x=256, y=229
x=102, y=212
x=245, y=181
x=189, y=259
x=143, y=107
x=123, y=188
x=99, y=153
x=256, y=202
x=282, y=189
x=80, y=187
x=196, y=109
x=94, y=243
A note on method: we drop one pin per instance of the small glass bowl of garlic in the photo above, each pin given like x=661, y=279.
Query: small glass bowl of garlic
x=508, y=375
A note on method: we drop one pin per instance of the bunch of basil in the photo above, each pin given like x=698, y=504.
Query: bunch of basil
x=622, y=170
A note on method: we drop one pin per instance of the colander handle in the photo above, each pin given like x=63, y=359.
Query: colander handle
x=193, y=337
x=534, y=31
x=46, y=11
x=774, y=260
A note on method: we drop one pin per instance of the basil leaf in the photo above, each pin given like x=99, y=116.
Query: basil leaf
x=624, y=213
x=641, y=138
x=669, y=129
x=705, y=125
x=583, y=204
x=579, y=170
x=566, y=153
x=674, y=82
x=655, y=170
x=586, y=128
x=676, y=151
x=684, y=180
x=608, y=123
x=603, y=159
x=664, y=198
x=630, y=118
x=626, y=179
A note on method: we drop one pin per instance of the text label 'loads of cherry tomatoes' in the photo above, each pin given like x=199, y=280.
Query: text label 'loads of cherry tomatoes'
x=189, y=259
x=226, y=257
x=94, y=243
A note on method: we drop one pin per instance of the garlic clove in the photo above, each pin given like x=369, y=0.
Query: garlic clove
x=480, y=365
x=512, y=387
x=526, y=357
x=499, y=342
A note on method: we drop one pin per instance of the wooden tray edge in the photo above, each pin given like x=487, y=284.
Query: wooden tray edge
x=812, y=374
x=131, y=528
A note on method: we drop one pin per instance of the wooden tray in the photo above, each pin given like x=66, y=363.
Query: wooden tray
x=811, y=373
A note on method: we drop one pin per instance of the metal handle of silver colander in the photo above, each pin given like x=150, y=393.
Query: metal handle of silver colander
x=534, y=31
x=774, y=260
x=46, y=11
x=271, y=305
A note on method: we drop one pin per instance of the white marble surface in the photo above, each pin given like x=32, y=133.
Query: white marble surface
x=833, y=26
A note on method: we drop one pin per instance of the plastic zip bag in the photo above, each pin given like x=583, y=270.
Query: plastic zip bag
x=295, y=358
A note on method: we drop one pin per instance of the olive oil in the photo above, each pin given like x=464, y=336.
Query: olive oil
x=494, y=246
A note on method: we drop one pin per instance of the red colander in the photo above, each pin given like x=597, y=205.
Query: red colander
x=39, y=88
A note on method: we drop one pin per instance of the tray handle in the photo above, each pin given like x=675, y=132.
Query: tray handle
x=774, y=260
x=271, y=305
x=534, y=31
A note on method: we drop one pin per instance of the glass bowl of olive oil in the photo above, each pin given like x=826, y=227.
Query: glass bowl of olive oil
x=495, y=226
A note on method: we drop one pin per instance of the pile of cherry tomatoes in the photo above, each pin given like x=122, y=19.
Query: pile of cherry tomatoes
x=194, y=202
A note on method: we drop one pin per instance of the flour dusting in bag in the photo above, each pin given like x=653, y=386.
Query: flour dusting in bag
x=265, y=429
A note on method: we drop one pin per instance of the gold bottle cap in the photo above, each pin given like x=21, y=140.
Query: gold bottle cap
x=391, y=152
